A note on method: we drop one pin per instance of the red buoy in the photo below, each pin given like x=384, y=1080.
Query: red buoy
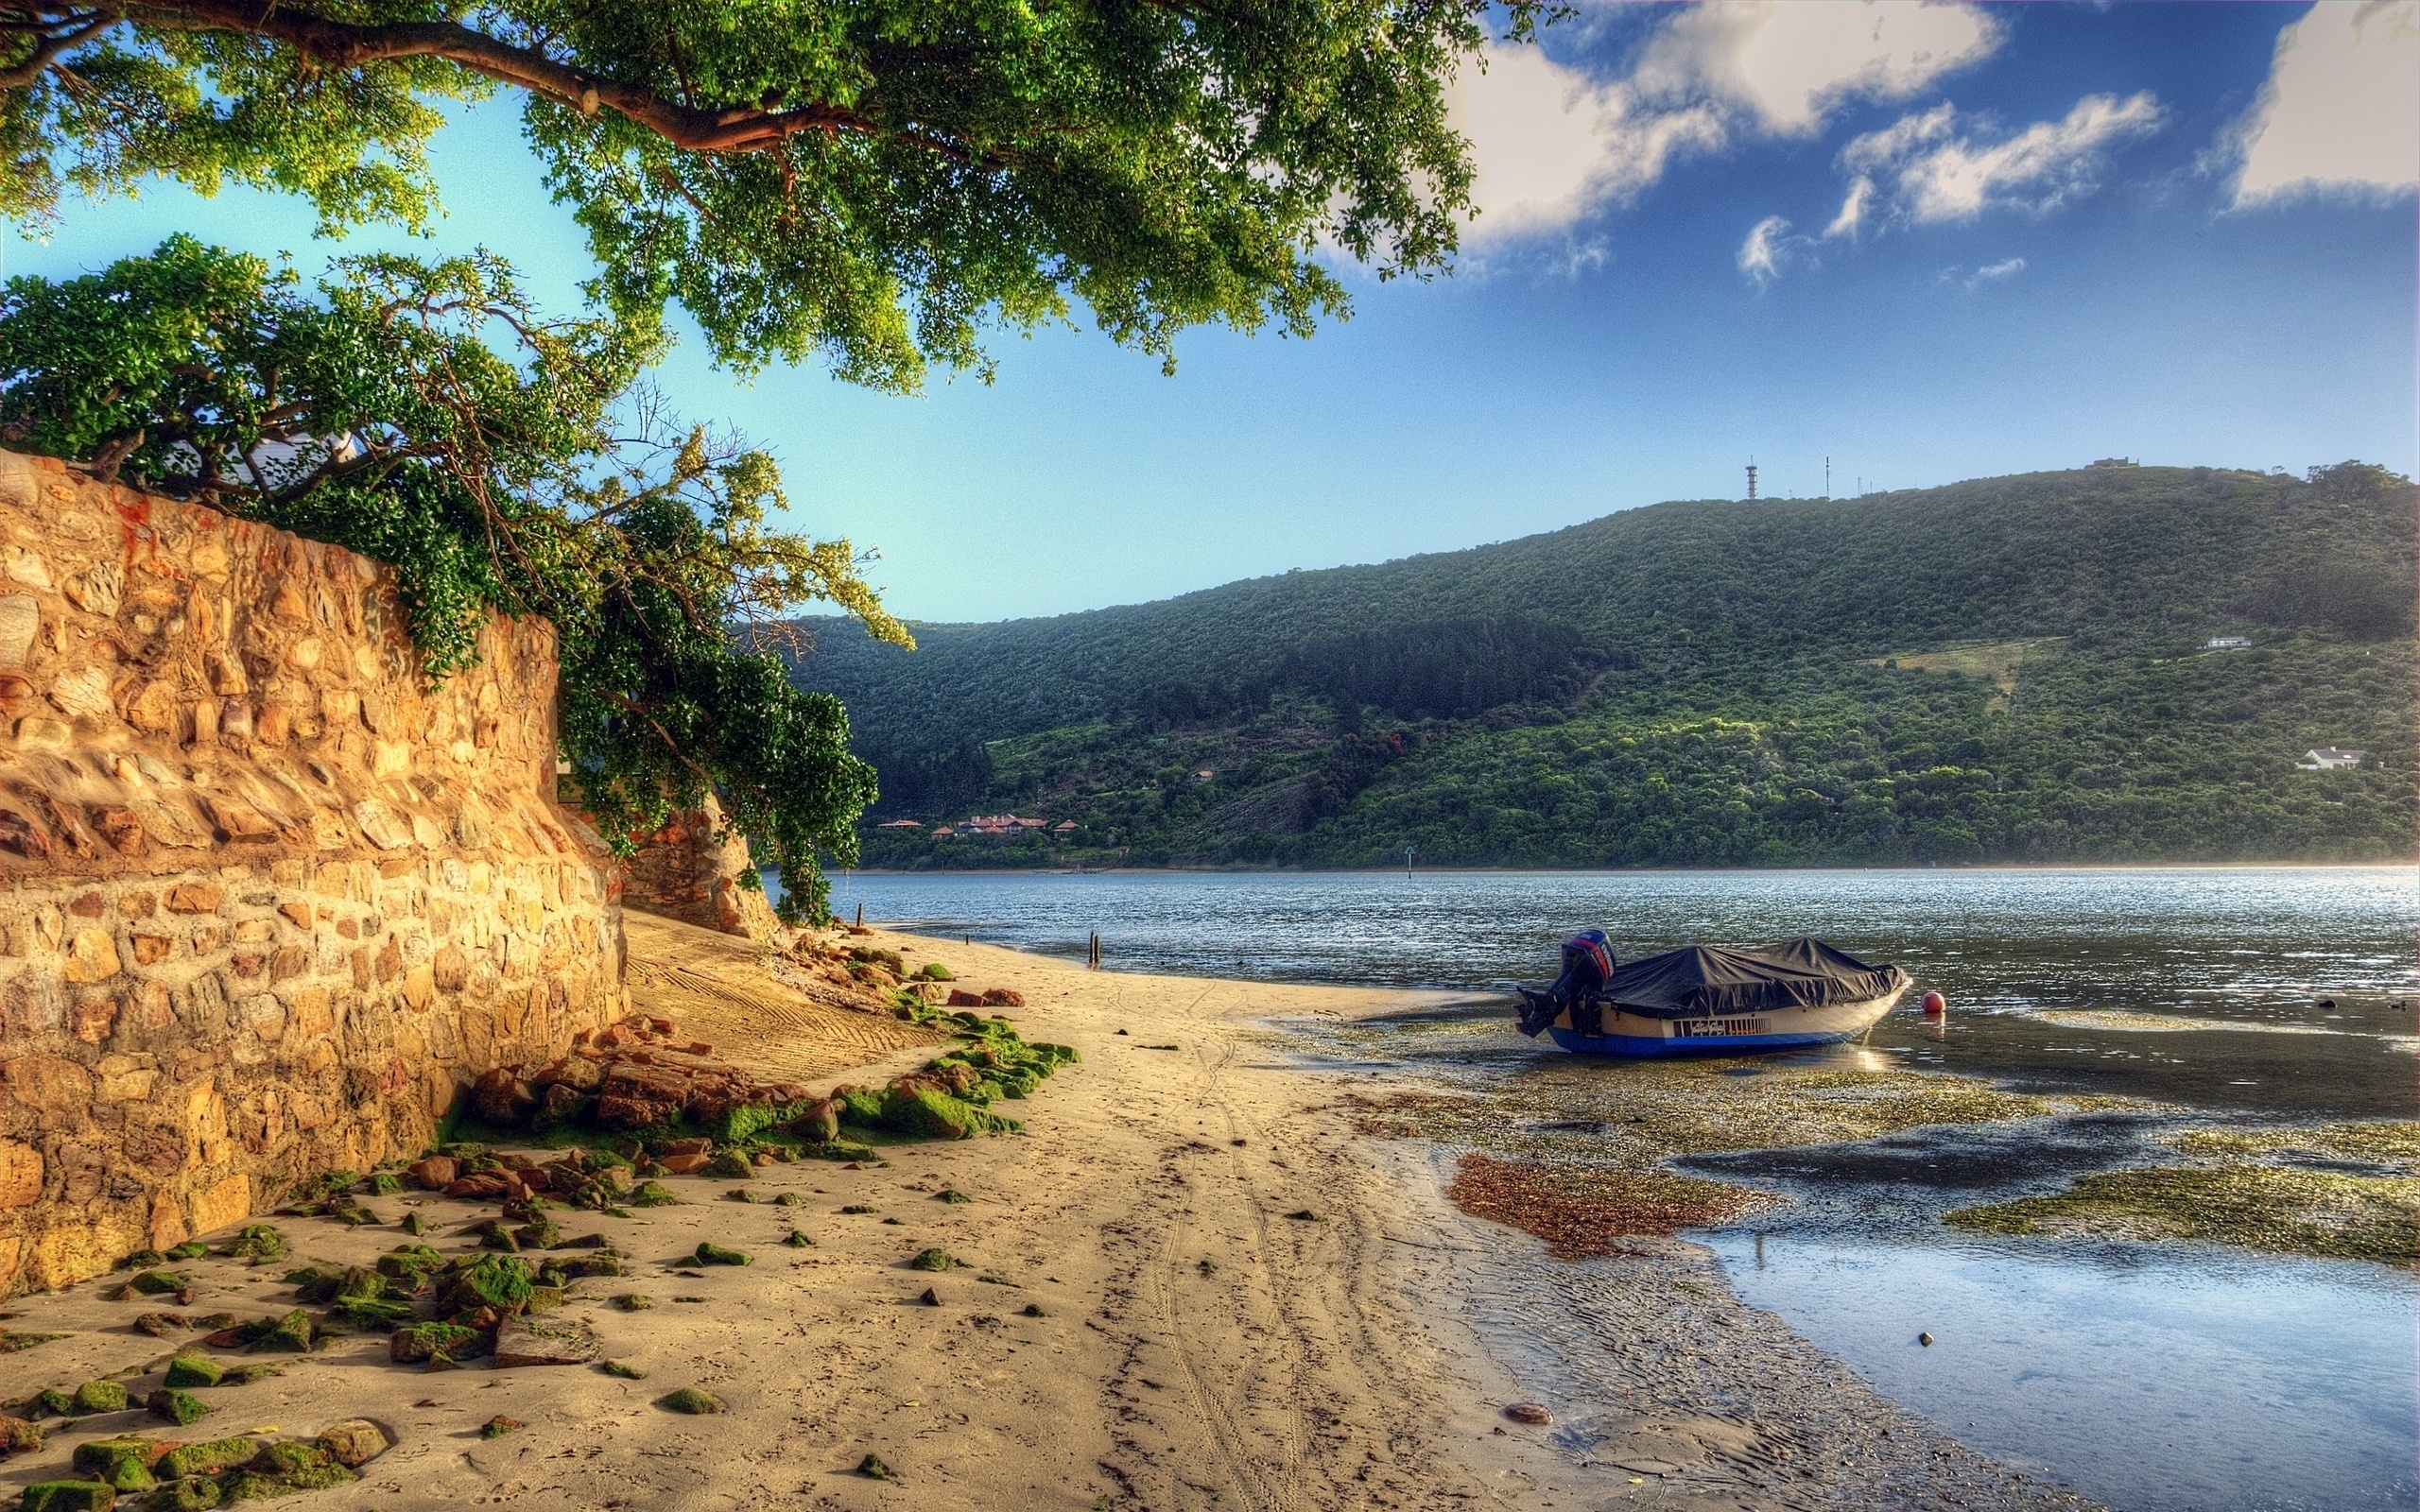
x=1935, y=1004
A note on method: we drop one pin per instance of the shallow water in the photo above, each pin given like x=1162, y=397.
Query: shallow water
x=2160, y=1378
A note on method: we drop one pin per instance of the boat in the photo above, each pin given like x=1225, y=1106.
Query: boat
x=1707, y=1000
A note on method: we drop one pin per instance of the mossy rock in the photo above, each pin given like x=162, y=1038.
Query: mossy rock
x=53, y=1402
x=931, y=1260
x=385, y=1184
x=951, y=1195
x=650, y=1194
x=94, y=1456
x=291, y=1334
x=797, y=1241
x=729, y=1165
x=257, y=1244
x=251, y=1486
x=130, y=1475
x=622, y=1370
x=159, y=1282
x=500, y=1281
x=542, y=1234
x=194, y=1493
x=179, y=1407
x=410, y=1266
x=316, y=1283
x=860, y=1106
x=213, y=1458
x=710, y=1253
x=928, y=1113
x=690, y=1400
x=189, y=1370
x=839, y=1150
x=415, y=1225
x=739, y=1125
x=499, y=1425
x=362, y=1313
x=1034, y=1310
x=935, y=971
x=100, y=1396
x=68, y=1496
x=421, y=1342
x=190, y=1249
x=873, y=1469
x=634, y=1302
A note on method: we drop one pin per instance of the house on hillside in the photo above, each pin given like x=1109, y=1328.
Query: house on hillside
x=1064, y=827
x=901, y=824
x=2226, y=643
x=2328, y=759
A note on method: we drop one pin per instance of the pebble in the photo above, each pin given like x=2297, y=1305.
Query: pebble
x=1528, y=1412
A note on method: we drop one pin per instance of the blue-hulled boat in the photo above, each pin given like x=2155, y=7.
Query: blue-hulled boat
x=1702, y=999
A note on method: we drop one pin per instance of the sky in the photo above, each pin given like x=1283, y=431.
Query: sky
x=1925, y=242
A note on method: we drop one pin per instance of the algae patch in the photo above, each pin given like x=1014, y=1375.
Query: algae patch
x=2324, y=1214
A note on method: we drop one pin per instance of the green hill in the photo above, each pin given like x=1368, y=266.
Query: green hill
x=2009, y=669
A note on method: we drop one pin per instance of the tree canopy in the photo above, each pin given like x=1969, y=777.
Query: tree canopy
x=870, y=181
x=532, y=476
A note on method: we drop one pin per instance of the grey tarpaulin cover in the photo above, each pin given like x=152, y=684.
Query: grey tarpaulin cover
x=1701, y=981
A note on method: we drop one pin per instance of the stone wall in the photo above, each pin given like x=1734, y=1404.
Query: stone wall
x=266, y=899
x=681, y=871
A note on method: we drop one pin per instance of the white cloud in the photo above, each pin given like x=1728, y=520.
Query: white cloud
x=1554, y=144
x=1939, y=173
x=1994, y=272
x=1768, y=246
x=2341, y=112
x=1853, y=209
x=1792, y=63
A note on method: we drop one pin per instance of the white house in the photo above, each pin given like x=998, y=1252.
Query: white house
x=2225, y=643
x=2328, y=758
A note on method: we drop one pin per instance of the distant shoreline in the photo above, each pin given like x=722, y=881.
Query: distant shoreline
x=1964, y=867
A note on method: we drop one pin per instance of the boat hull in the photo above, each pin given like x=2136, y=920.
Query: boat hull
x=1636, y=1035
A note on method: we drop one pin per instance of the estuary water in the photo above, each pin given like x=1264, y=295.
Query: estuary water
x=2160, y=1378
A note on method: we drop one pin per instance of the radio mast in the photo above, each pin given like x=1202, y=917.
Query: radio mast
x=1751, y=480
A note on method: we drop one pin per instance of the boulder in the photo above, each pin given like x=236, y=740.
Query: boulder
x=353, y=1442
x=435, y=1174
x=522, y=1341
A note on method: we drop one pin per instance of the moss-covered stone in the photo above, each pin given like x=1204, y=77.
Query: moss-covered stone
x=291, y=1334
x=650, y=1194
x=244, y=1375
x=94, y=1456
x=422, y=1342
x=415, y=1225
x=100, y=1396
x=929, y=1113
x=872, y=1467
x=316, y=1283
x=690, y=1400
x=179, y=1407
x=216, y=1457
x=410, y=1266
x=194, y=1493
x=499, y=1425
x=52, y=1403
x=1034, y=1310
x=621, y=1368
x=385, y=1184
x=931, y=1260
x=130, y=1475
x=797, y=1241
x=18, y=1436
x=710, y=1253
x=68, y=1496
x=500, y=1281
x=542, y=1234
x=257, y=1244
x=728, y=1166
x=362, y=1313
x=186, y=1371
x=159, y=1282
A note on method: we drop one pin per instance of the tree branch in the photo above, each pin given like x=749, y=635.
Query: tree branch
x=347, y=44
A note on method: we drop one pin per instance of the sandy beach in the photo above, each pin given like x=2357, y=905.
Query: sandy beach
x=1188, y=1283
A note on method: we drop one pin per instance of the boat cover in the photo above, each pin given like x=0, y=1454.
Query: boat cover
x=1704, y=981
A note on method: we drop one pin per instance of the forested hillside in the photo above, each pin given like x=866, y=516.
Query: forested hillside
x=2006, y=669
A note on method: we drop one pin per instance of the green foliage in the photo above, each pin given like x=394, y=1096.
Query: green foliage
x=2005, y=670
x=871, y=181
x=536, y=479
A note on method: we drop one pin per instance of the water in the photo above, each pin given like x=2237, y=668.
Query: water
x=2155, y=1378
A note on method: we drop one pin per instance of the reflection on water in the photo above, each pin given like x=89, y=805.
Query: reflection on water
x=2153, y=1377
x=2150, y=1380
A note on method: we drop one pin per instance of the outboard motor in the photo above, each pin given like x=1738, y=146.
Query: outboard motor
x=1587, y=965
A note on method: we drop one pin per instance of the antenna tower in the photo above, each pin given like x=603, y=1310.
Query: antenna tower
x=1751, y=480
x=1827, y=477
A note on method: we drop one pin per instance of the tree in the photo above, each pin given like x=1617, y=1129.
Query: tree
x=538, y=480
x=872, y=181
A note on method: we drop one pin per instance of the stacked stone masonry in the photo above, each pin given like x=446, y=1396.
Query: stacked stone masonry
x=693, y=872
x=268, y=898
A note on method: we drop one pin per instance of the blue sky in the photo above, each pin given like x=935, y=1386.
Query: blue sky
x=1927, y=243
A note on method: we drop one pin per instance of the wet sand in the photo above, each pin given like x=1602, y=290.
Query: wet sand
x=1188, y=1284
